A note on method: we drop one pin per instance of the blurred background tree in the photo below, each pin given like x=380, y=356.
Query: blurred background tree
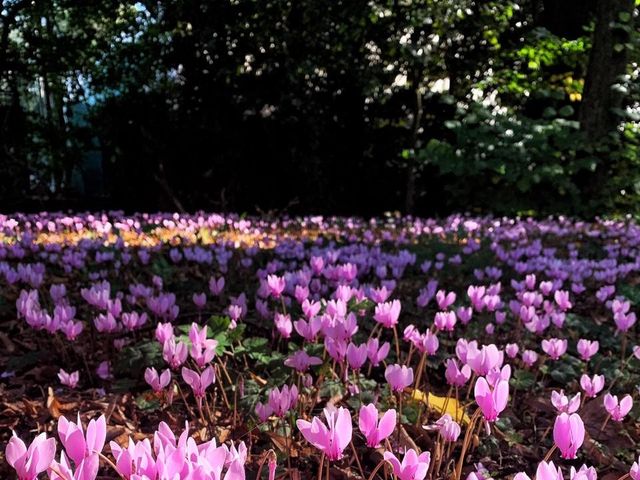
x=525, y=106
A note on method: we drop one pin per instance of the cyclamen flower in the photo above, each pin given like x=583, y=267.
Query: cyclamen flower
x=78, y=445
x=283, y=325
x=281, y=401
x=445, y=321
x=448, y=428
x=592, y=386
x=457, y=376
x=376, y=353
x=529, y=357
x=587, y=348
x=30, y=462
x=413, y=466
x=491, y=402
x=562, y=403
x=554, y=347
x=444, y=299
x=199, y=382
x=301, y=361
x=69, y=379
x=376, y=430
x=332, y=438
x=356, y=356
x=155, y=381
x=617, y=410
x=568, y=434
x=276, y=285
x=387, y=313
x=399, y=376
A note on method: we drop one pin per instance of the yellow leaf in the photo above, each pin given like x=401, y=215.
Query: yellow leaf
x=442, y=405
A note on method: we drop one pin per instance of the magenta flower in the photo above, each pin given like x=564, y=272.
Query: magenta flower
x=263, y=411
x=87, y=469
x=30, y=462
x=634, y=471
x=554, y=347
x=562, y=299
x=568, y=434
x=281, y=401
x=592, y=386
x=413, y=466
x=376, y=353
x=529, y=357
x=308, y=329
x=199, y=382
x=448, y=428
x=563, y=404
x=69, y=379
x=175, y=354
x=399, y=376
x=76, y=444
x=483, y=360
x=587, y=348
x=301, y=361
x=276, y=285
x=387, y=313
x=617, y=409
x=456, y=376
x=374, y=430
x=283, y=324
x=155, y=381
x=445, y=321
x=511, y=349
x=356, y=356
x=331, y=439
x=444, y=299
x=491, y=402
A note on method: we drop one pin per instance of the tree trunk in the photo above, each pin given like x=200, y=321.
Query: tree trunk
x=607, y=62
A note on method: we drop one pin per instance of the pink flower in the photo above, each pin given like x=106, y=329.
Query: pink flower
x=445, y=321
x=413, y=466
x=104, y=370
x=76, y=444
x=29, y=463
x=331, y=440
x=457, y=376
x=283, y=325
x=374, y=430
x=87, y=469
x=263, y=411
x=376, y=353
x=529, y=357
x=634, y=471
x=592, y=386
x=164, y=331
x=562, y=299
x=198, y=382
x=624, y=321
x=449, y=429
x=568, y=434
x=308, y=330
x=398, y=376
x=69, y=379
x=155, y=381
x=175, y=354
x=587, y=348
x=617, y=410
x=484, y=360
x=548, y=471
x=276, y=285
x=511, y=349
x=444, y=299
x=562, y=403
x=387, y=313
x=491, y=402
x=301, y=361
x=554, y=347
x=216, y=285
x=356, y=356
x=281, y=401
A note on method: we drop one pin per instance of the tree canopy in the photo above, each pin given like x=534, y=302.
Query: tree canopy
x=346, y=106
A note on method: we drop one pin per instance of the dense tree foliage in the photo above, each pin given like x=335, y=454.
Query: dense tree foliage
x=343, y=106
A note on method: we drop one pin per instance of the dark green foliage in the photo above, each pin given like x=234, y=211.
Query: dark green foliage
x=347, y=106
